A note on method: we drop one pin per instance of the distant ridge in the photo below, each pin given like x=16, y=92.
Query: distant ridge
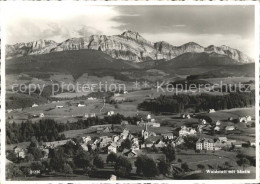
x=130, y=46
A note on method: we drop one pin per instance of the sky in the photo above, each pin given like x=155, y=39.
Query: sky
x=205, y=25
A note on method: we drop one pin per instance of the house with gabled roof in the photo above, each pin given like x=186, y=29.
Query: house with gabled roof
x=205, y=144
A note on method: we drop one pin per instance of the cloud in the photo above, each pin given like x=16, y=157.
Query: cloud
x=34, y=23
x=85, y=31
x=180, y=25
x=206, y=25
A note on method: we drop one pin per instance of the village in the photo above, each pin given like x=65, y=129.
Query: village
x=207, y=137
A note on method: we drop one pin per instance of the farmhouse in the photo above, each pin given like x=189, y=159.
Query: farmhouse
x=124, y=123
x=179, y=141
x=167, y=136
x=112, y=148
x=217, y=128
x=147, y=144
x=81, y=105
x=35, y=105
x=202, y=121
x=91, y=98
x=211, y=110
x=129, y=153
x=117, y=94
x=84, y=147
x=230, y=128
x=248, y=118
x=230, y=119
x=110, y=113
x=218, y=123
x=92, y=115
x=185, y=116
x=19, y=152
x=242, y=120
x=159, y=144
x=59, y=106
x=86, y=139
x=187, y=131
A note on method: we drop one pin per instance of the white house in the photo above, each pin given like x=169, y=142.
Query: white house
x=218, y=123
x=124, y=123
x=168, y=136
x=205, y=144
x=185, y=116
x=230, y=128
x=20, y=152
x=248, y=118
x=187, y=131
x=110, y=113
x=81, y=105
x=211, y=110
x=117, y=94
x=35, y=105
x=217, y=128
x=202, y=121
x=148, y=117
x=59, y=106
x=223, y=139
x=86, y=139
x=112, y=148
x=92, y=115
x=242, y=120
x=84, y=147
x=91, y=98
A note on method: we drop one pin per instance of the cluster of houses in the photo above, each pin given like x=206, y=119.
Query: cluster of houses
x=109, y=139
x=210, y=144
x=148, y=122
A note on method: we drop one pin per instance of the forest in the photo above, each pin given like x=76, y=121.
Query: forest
x=48, y=130
x=198, y=103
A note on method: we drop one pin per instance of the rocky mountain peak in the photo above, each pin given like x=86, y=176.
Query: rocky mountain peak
x=131, y=34
x=130, y=45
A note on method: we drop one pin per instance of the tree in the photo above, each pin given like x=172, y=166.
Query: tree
x=25, y=170
x=190, y=142
x=37, y=166
x=164, y=167
x=29, y=157
x=179, y=160
x=126, y=144
x=200, y=166
x=185, y=167
x=57, y=159
x=244, y=162
x=146, y=166
x=111, y=157
x=36, y=152
x=11, y=156
x=98, y=162
x=67, y=169
x=13, y=171
x=169, y=152
x=123, y=166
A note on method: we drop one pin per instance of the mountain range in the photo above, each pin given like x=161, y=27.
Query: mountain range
x=131, y=46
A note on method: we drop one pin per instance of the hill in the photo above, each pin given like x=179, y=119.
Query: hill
x=75, y=62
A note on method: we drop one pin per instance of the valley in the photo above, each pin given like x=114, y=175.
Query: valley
x=55, y=130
